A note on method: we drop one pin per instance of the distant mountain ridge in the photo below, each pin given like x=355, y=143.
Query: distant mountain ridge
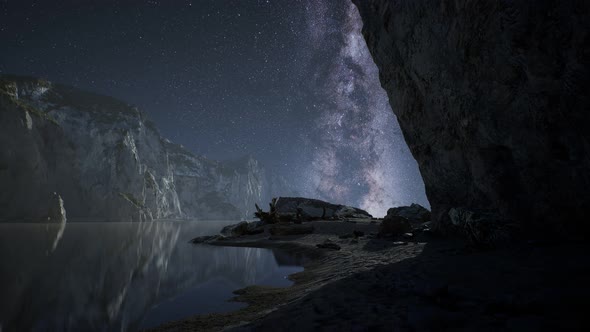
x=109, y=162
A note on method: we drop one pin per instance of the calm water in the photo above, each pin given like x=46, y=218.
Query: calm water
x=122, y=276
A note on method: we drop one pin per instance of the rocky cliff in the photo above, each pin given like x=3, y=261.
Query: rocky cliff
x=107, y=162
x=492, y=98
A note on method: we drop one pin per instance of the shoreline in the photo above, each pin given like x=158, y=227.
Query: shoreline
x=422, y=284
x=321, y=267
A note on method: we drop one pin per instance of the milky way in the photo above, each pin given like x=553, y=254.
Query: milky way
x=360, y=156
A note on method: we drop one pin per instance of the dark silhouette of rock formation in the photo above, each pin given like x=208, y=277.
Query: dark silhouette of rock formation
x=492, y=98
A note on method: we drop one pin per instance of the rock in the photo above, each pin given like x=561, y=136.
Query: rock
x=482, y=228
x=328, y=244
x=108, y=162
x=314, y=209
x=344, y=211
x=354, y=234
x=243, y=228
x=238, y=229
x=414, y=213
x=492, y=100
x=394, y=226
x=290, y=229
x=206, y=239
x=255, y=227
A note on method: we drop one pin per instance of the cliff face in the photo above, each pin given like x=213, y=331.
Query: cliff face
x=492, y=98
x=106, y=161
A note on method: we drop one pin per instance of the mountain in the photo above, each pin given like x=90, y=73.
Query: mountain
x=107, y=161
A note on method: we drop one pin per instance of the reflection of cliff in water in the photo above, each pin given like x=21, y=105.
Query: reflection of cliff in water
x=107, y=275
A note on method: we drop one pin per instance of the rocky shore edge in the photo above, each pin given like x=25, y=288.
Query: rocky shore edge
x=395, y=273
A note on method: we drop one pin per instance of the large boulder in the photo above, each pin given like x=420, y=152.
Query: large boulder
x=394, y=225
x=414, y=212
x=492, y=99
x=309, y=209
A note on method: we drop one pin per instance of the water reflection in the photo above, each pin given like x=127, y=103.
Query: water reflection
x=120, y=276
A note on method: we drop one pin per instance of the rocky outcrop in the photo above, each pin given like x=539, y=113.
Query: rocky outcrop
x=286, y=216
x=415, y=213
x=290, y=229
x=107, y=162
x=309, y=209
x=243, y=228
x=492, y=98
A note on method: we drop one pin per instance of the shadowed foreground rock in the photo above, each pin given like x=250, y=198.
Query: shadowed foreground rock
x=492, y=99
x=394, y=225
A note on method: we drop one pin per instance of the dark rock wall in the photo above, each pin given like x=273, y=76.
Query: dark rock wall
x=492, y=98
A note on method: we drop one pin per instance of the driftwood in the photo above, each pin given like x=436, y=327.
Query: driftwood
x=271, y=217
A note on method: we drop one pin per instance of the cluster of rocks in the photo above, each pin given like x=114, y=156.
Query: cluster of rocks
x=288, y=216
x=292, y=216
x=482, y=228
x=401, y=221
x=315, y=209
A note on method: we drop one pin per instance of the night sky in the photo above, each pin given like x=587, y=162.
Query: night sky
x=289, y=82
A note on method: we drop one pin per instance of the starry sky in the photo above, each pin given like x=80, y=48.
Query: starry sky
x=289, y=82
